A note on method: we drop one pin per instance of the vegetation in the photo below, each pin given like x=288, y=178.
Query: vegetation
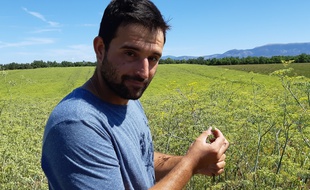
x=42, y=64
x=302, y=58
x=265, y=118
x=297, y=69
x=27, y=98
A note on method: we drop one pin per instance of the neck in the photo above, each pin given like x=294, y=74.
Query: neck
x=102, y=91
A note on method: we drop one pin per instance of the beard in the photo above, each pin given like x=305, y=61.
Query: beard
x=110, y=76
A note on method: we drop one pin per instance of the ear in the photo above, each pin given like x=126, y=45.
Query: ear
x=99, y=48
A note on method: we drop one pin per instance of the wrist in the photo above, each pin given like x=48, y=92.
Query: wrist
x=191, y=162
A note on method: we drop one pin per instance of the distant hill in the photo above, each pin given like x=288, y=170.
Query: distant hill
x=179, y=57
x=270, y=50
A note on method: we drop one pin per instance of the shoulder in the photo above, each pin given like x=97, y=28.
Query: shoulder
x=79, y=108
x=80, y=103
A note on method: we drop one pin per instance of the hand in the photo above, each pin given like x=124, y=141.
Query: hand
x=214, y=169
x=209, y=159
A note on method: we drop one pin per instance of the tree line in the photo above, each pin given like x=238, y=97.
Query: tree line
x=302, y=58
x=45, y=64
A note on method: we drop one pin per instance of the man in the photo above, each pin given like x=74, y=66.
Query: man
x=98, y=136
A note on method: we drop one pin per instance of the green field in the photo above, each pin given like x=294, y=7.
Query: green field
x=265, y=118
x=299, y=69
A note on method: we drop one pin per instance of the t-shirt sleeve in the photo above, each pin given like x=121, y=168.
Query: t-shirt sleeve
x=77, y=156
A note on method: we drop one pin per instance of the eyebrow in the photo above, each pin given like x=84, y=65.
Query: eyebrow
x=138, y=49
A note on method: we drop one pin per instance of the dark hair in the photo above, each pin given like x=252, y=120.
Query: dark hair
x=124, y=12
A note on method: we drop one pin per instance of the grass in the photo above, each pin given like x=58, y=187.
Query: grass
x=27, y=98
x=43, y=82
x=300, y=69
x=265, y=118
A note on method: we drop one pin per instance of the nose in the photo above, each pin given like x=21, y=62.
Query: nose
x=143, y=68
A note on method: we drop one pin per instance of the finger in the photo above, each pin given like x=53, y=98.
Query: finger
x=204, y=135
x=217, y=168
x=220, y=141
x=217, y=133
x=218, y=172
x=219, y=165
x=223, y=157
x=220, y=144
x=207, y=132
x=220, y=137
x=224, y=147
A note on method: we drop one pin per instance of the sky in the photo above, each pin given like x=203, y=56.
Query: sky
x=60, y=30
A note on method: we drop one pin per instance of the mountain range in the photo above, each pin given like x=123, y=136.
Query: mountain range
x=269, y=50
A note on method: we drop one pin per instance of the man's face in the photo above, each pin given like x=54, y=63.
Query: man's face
x=131, y=61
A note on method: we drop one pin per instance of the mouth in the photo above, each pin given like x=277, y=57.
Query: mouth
x=136, y=82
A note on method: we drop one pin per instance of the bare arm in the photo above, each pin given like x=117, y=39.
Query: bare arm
x=164, y=163
x=173, y=172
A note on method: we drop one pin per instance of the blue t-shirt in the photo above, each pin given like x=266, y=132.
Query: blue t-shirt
x=91, y=144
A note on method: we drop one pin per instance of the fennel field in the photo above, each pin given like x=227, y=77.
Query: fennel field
x=298, y=68
x=266, y=119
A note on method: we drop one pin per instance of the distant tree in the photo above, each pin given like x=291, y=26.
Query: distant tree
x=200, y=60
x=66, y=64
x=38, y=64
x=235, y=60
x=162, y=61
x=249, y=60
x=303, y=58
x=52, y=64
x=12, y=66
x=168, y=61
x=263, y=60
x=213, y=61
x=276, y=59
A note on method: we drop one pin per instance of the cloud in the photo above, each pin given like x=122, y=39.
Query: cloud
x=41, y=17
x=53, y=24
x=46, y=30
x=27, y=42
x=35, y=14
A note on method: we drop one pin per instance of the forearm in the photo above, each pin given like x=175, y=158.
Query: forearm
x=164, y=163
x=174, y=171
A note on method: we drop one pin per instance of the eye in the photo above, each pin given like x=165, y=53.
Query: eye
x=130, y=53
x=154, y=59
